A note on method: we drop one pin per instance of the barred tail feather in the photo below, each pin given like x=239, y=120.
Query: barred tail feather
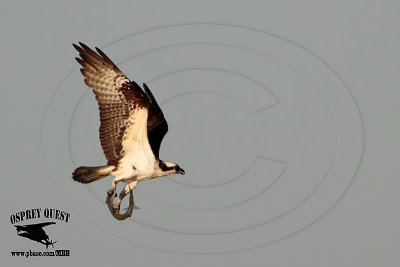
x=90, y=174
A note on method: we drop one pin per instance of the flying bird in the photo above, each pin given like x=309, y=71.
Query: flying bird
x=36, y=233
x=132, y=127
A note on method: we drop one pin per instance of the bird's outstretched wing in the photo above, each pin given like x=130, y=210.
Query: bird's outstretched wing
x=41, y=225
x=37, y=225
x=123, y=105
x=157, y=126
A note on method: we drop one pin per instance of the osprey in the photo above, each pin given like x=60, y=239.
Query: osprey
x=36, y=233
x=131, y=130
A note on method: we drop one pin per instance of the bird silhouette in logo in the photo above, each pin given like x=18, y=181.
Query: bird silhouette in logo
x=36, y=233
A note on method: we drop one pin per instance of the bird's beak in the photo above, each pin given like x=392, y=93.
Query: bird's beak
x=182, y=171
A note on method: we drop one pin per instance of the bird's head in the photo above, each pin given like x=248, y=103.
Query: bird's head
x=171, y=168
x=179, y=170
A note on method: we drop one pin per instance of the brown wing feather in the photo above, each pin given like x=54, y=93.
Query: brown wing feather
x=117, y=98
x=157, y=126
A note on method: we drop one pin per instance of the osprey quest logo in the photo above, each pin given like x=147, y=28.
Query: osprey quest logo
x=38, y=225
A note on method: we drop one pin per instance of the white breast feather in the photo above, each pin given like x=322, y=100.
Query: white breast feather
x=138, y=152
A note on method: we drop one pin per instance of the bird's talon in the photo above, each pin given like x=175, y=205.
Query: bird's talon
x=111, y=192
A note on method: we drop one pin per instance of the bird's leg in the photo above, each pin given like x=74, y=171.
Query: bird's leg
x=115, y=207
x=128, y=188
x=111, y=194
x=113, y=190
